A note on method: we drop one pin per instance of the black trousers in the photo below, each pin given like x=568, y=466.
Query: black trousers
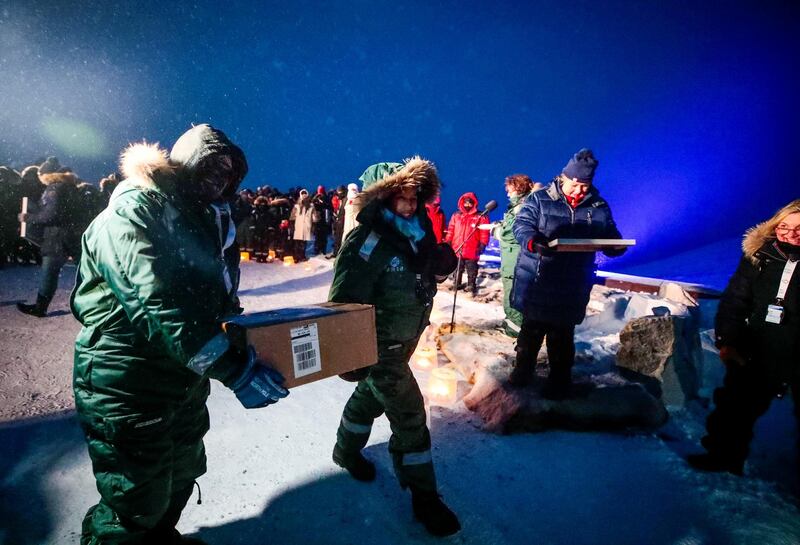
x=560, y=347
x=744, y=396
x=471, y=266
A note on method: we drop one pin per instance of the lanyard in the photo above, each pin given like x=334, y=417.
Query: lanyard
x=788, y=271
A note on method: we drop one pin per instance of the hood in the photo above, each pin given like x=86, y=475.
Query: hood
x=203, y=141
x=415, y=172
x=755, y=238
x=469, y=195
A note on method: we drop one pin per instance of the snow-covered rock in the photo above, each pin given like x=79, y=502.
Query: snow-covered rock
x=664, y=354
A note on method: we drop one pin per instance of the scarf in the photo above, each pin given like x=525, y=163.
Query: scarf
x=409, y=228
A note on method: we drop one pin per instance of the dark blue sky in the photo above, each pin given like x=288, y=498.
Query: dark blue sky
x=690, y=106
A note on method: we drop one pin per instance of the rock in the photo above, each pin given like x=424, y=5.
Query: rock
x=664, y=354
x=504, y=409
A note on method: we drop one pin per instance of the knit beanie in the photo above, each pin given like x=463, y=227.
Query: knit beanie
x=581, y=166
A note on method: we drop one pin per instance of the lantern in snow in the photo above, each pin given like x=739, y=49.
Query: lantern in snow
x=288, y=261
x=244, y=256
x=442, y=386
x=424, y=358
x=271, y=256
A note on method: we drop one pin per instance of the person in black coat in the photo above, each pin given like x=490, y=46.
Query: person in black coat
x=757, y=330
x=60, y=217
x=551, y=289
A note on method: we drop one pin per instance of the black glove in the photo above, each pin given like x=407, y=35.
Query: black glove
x=443, y=260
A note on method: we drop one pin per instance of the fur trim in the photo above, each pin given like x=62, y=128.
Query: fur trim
x=141, y=161
x=755, y=238
x=55, y=177
x=417, y=173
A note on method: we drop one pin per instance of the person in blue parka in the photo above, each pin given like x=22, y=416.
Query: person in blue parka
x=551, y=289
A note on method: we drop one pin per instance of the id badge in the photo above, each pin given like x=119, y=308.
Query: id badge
x=774, y=314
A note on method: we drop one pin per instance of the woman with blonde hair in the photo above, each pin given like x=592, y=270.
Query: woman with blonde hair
x=758, y=336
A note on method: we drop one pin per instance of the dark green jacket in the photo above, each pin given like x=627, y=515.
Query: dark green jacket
x=150, y=293
x=509, y=247
x=377, y=265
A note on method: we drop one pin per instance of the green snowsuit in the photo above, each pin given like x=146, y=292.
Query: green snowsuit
x=509, y=251
x=152, y=285
x=377, y=265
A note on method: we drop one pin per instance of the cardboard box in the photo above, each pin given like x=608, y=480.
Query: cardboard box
x=589, y=244
x=309, y=343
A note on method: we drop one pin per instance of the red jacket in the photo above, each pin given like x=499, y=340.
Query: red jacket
x=437, y=219
x=461, y=224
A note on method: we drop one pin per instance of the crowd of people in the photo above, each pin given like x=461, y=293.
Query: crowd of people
x=149, y=344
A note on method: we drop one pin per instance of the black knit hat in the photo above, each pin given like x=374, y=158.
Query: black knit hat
x=581, y=166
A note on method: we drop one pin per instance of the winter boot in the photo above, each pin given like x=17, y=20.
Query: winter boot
x=522, y=373
x=38, y=309
x=716, y=463
x=430, y=510
x=356, y=465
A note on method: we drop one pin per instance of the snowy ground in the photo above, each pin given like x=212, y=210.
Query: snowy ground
x=271, y=480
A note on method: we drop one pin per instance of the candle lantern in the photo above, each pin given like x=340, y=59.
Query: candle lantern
x=244, y=256
x=442, y=386
x=271, y=256
x=425, y=358
x=288, y=261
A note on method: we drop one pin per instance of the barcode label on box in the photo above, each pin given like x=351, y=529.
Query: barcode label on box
x=305, y=350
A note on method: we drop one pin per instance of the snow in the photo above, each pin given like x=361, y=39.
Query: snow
x=271, y=480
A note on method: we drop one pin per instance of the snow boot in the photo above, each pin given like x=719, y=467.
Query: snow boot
x=716, y=463
x=430, y=510
x=38, y=309
x=356, y=465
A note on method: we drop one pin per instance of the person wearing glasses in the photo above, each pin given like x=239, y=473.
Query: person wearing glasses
x=758, y=335
x=158, y=272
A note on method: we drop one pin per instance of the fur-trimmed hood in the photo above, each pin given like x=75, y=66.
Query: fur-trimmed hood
x=142, y=164
x=59, y=177
x=755, y=238
x=416, y=172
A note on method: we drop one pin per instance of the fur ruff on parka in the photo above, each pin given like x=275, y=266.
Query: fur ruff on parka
x=417, y=173
x=755, y=238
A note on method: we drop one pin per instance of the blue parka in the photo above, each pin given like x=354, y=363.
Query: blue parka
x=555, y=287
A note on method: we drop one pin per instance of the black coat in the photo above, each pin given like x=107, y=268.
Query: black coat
x=60, y=217
x=741, y=323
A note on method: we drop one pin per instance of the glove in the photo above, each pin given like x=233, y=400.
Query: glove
x=539, y=244
x=731, y=356
x=258, y=385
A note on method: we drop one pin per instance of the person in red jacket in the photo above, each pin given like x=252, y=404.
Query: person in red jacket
x=467, y=241
x=436, y=216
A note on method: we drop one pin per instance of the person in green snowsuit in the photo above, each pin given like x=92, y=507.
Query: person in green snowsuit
x=158, y=271
x=392, y=260
x=518, y=187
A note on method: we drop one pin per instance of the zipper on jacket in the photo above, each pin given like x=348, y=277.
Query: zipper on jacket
x=589, y=217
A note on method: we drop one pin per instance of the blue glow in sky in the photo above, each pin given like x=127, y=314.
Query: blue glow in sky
x=690, y=106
